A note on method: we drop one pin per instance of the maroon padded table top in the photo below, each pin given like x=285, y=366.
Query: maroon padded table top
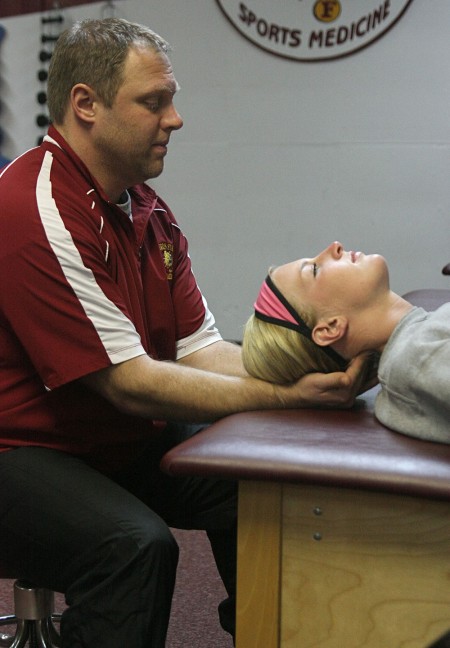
x=342, y=448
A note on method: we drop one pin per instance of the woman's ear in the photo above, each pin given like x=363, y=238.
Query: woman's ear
x=329, y=330
x=83, y=100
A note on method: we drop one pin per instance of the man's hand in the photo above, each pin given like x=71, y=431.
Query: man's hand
x=334, y=389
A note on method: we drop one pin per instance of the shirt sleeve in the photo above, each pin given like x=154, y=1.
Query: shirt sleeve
x=205, y=335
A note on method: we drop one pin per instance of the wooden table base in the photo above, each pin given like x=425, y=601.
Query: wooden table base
x=340, y=568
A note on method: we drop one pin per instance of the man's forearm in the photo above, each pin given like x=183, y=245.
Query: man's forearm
x=168, y=390
x=165, y=390
x=221, y=357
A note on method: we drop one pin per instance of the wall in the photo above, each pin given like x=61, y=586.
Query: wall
x=278, y=158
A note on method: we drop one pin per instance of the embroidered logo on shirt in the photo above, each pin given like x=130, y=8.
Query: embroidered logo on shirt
x=167, y=254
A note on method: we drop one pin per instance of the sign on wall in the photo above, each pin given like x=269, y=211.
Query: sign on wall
x=313, y=30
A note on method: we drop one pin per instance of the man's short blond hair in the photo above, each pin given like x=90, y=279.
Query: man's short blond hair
x=94, y=52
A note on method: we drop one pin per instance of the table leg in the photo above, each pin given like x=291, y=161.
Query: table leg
x=259, y=556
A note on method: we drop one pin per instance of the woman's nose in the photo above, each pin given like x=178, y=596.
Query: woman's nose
x=336, y=249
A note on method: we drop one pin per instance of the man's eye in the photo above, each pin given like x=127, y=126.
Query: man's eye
x=152, y=103
x=314, y=269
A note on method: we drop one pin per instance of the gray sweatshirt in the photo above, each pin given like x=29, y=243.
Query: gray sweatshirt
x=414, y=374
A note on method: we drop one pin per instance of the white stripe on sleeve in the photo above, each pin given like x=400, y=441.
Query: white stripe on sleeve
x=119, y=337
x=204, y=336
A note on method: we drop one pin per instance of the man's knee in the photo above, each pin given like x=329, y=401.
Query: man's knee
x=149, y=545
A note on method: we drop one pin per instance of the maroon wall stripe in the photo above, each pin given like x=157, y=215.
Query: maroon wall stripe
x=19, y=7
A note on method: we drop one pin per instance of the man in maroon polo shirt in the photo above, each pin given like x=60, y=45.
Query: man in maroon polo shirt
x=106, y=340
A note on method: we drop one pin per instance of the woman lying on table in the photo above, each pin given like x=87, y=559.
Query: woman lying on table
x=316, y=314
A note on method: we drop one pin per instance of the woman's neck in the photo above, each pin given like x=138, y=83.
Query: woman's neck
x=371, y=329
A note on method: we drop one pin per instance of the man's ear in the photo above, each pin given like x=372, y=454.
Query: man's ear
x=329, y=330
x=83, y=100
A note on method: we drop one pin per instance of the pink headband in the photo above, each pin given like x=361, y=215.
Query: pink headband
x=271, y=306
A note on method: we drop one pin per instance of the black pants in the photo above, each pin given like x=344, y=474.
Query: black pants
x=104, y=541
x=443, y=642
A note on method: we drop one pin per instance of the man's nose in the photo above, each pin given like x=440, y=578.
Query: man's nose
x=173, y=119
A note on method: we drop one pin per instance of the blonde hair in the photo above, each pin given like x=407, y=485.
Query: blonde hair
x=280, y=355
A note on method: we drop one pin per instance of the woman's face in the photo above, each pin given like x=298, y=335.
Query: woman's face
x=333, y=282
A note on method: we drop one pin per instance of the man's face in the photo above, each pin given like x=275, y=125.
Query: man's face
x=335, y=281
x=131, y=137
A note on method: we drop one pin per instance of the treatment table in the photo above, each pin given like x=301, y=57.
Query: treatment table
x=344, y=525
